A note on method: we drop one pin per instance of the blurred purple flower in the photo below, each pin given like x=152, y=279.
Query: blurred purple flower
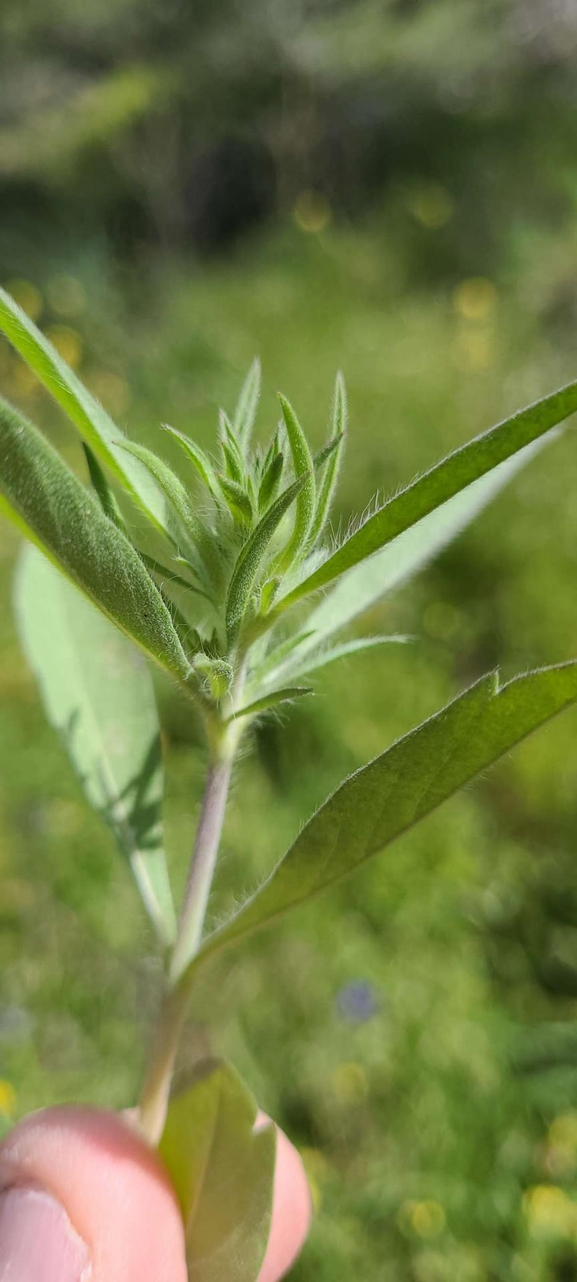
x=357, y=1001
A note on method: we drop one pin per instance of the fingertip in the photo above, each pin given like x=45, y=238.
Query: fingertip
x=111, y=1186
x=291, y=1212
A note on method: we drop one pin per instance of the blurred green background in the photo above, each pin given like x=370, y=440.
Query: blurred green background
x=388, y=186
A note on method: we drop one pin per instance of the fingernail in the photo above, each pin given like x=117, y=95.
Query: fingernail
x=37, y=1240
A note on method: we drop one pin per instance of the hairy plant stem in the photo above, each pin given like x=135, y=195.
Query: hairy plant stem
x=203, y=862
x=224, y=736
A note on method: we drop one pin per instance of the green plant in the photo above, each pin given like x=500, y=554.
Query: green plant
x=230, y=608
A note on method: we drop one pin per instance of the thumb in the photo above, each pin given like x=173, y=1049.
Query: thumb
x=82, y=1199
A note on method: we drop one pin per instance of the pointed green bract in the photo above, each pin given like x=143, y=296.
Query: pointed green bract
x=236, y=499
x=49, y=505
x=268, y=594
x=251, y=556
x=400, y=788
x=325, y=454
x=329, y=481
x=222, y=1170
x=441, y=483
x=303, y=662
x=388, y=569
x=186, y=524
x=267, y=701
x=233, y=468
x=164, y=571
x=108, y=500
x=303, y=466
x=97, y=693
x=270, y=483
x=94, y=424
x=197, y=457
x=247, y=405
x=275, y=658
x=216, y=673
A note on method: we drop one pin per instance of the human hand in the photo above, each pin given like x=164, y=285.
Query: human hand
x=83, y=1199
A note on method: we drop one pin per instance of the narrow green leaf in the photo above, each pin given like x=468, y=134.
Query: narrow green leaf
x=267, y=701
x=104, y=491
x=251, y=557
x=183, y=526
x=222, y=1169
x=236, y=499
x=323, y=455
x=274, y=448
x=271, y=481
x=163, y=571
x=401, y=787
x=98, y=694
x=231, y=450
x=230, y=463
x=187, y=525
x=49, y=505
x=190, y=569
x=197, y=457
x=300, y=665
x=276, y=657
x=388, y=569
x=330, y=479
x=269, y=593
x=94, y=424
x=303, y=466
x=446, y=479
x=247, y=405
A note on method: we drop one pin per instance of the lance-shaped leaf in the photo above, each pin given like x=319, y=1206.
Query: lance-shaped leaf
x=441, y=483
x=97, y=693
x=222, y=1170
x=236, y=499
x=165, y=572
x=250, y=558
x=185, y=525
x=87, y=414
x=271, y=700
x=274, y=659
x=301, y=663
x=401, y=787
x=247, y=405
x=197, y=457
x=49, y=505
x=329, y=481
x=270, y=483
x=388, y=569
x=303, y=466
x=103, y=490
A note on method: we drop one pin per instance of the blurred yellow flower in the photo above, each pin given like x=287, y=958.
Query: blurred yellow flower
x=67, y=342
x=475, y=299
x=349, y=1083
x=111, y=389
x=7, y=1099
x=425, y=1219
x=28, y=297
x=549, y=1209
x=312, y=212
x=432, y=205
